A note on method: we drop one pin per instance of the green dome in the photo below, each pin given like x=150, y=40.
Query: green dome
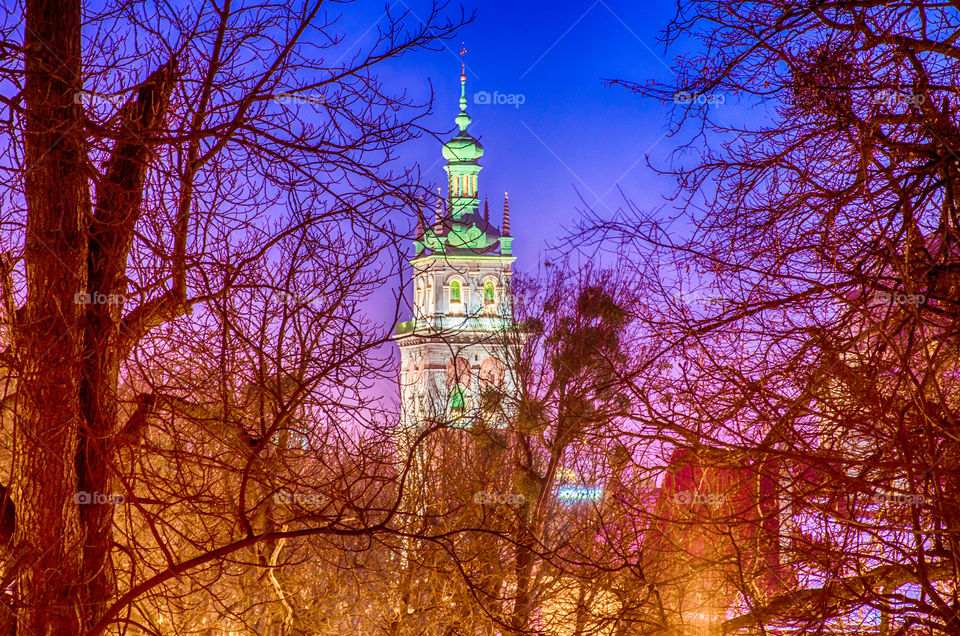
x=462, y=149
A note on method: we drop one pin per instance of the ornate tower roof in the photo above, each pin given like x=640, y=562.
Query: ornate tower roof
x=464, y=230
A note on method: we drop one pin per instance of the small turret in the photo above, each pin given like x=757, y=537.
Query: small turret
x=506, y=240
x=419, y=233
x=506, y=214
x=438, y=217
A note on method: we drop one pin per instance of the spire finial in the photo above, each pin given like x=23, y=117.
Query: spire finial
x=463, y=119
x=506, y=214
x=486, y=210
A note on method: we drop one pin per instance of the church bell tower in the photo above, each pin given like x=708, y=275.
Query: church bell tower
x=453, y=350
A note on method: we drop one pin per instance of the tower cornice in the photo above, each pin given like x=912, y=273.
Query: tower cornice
x=463, y=257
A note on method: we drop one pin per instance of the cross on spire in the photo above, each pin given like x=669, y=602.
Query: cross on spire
x=463, y=120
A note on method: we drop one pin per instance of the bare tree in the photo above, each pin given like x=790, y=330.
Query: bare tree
x=571, y=376
x=197, y=201
x=806, y=299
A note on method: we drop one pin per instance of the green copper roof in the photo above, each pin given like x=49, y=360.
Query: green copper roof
x=459, y=236
x=460, y=229
x=462, y=149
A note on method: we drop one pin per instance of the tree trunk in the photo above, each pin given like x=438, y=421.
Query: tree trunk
x=49, y=534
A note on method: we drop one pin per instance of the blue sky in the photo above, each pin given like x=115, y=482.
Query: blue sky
x=571, y=136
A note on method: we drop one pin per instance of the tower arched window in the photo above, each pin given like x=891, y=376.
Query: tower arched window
x=458, y=373
x=458, y=383
x=489, y=297
x=458, y=401
x=456, y=297
x=492, y=372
